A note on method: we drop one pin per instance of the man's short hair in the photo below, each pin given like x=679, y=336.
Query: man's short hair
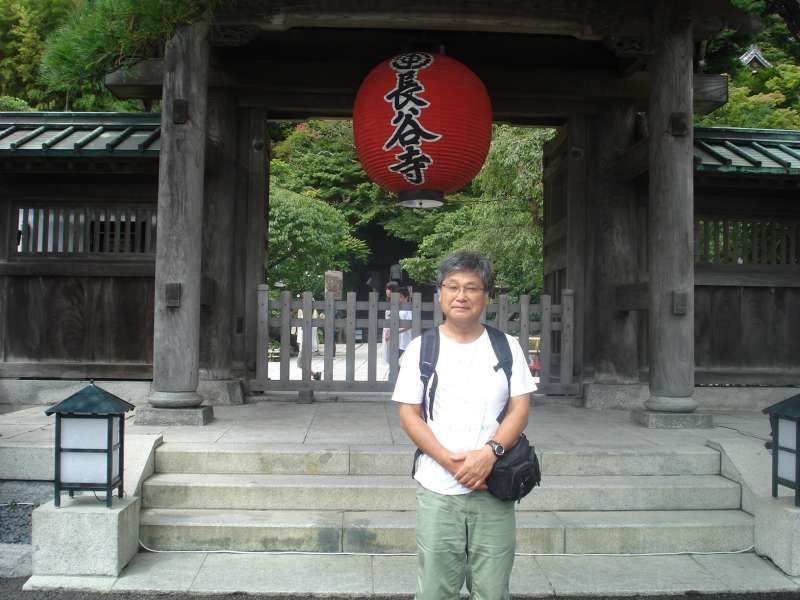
x=466, y=261
x=392, y=286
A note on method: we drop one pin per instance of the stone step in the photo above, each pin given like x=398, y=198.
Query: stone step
x=593, y=532
x=396, y=492
x=307, y=459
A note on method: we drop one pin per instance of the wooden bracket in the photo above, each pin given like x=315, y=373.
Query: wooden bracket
x=180, y=111
x=679, y=124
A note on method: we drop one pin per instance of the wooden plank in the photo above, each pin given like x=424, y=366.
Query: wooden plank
x=26, y=236
x=726, y=251
x=330, y=342
x=736, y=251
x=525, y=324
x=3, y=316
x=706, y=240
x=132, y=220
x=77, y=230
x=748, y=275
x=286, y=320
x=793, y=239
x=416, y=314
x=306, y=350
x=59, y=267
x=75, y=370
x=502, y=313
x=350, y=337
x=257, y=202
x=394, y=336
x=46, y=214
x=545, y=342
x=262, y=359
x=372, y=338
x=567, y=336
x=437, y=311
x=35, y=232
x=117, y=229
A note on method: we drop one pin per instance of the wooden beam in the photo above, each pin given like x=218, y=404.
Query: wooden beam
x=322, y=87
x=582, y=19
x=747, y=275
x=59, y=267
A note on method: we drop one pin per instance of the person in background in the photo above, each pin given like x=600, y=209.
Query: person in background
x=405, y=330
x=391, y=287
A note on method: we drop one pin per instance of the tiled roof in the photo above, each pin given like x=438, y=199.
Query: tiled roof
x=755, y=151
x=79, y=134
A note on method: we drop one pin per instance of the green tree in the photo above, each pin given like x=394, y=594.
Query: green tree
x=503, y=221
x=24, y=28
x=306, y=238
x=9, y=103
x=320, y=162
x=769, y=98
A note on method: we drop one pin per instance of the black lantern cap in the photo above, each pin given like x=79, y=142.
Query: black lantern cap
x=91, y=400
x=786, y=408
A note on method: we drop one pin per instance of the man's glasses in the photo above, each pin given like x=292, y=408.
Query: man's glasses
x=469, y=290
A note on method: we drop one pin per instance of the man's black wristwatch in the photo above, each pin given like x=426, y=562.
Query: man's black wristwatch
x=497, y=448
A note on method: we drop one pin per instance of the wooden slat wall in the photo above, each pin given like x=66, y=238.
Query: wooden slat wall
x=723, y=240
x=82, y=230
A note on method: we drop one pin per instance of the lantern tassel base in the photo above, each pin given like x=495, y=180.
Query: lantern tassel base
x=420, y=199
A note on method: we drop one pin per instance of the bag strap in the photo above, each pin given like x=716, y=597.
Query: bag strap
x=505, y=360
x=428, y=355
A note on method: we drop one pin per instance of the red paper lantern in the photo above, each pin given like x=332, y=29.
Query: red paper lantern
x=422, y=125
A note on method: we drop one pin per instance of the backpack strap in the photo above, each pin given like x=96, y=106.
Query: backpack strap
x=428, y=355
x=505, y=360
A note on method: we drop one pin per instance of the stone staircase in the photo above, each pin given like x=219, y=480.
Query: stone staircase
x=361, y=499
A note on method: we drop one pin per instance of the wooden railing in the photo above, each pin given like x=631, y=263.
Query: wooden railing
x=277, y=317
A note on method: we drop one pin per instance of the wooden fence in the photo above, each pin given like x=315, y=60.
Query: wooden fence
x=277, y=317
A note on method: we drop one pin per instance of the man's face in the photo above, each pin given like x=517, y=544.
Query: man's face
x=388, y=293
x=463, y=297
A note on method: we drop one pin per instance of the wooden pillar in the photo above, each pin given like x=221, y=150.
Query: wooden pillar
x=613, y=249
x=176, y=339
x=218, y=236
x=671, y=214
x=576, y=199
x=251, y=230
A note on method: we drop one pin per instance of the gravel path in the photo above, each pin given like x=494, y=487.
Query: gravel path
x=15, y=523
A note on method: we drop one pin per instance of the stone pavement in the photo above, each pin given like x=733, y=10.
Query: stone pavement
x=552, y=427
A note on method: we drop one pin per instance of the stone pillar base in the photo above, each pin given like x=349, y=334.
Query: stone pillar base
x=174, y=399
x=671, y=420
x=153, y=415
x=685, y=404
x=83, y=537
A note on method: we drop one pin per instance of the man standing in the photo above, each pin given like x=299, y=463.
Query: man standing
x=462, y=530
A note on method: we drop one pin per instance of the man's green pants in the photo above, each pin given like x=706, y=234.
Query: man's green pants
x=469, y=536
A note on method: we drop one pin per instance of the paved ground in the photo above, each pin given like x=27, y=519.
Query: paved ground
x=552, y=426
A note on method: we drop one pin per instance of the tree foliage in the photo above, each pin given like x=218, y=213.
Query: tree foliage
x=24, y=29
x=306, y=238
x=503, y=221
x=769, y=98
x=103, y=35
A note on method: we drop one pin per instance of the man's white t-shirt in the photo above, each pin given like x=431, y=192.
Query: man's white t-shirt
x=470, y=395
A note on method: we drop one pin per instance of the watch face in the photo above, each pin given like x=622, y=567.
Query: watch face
x=498, y=449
